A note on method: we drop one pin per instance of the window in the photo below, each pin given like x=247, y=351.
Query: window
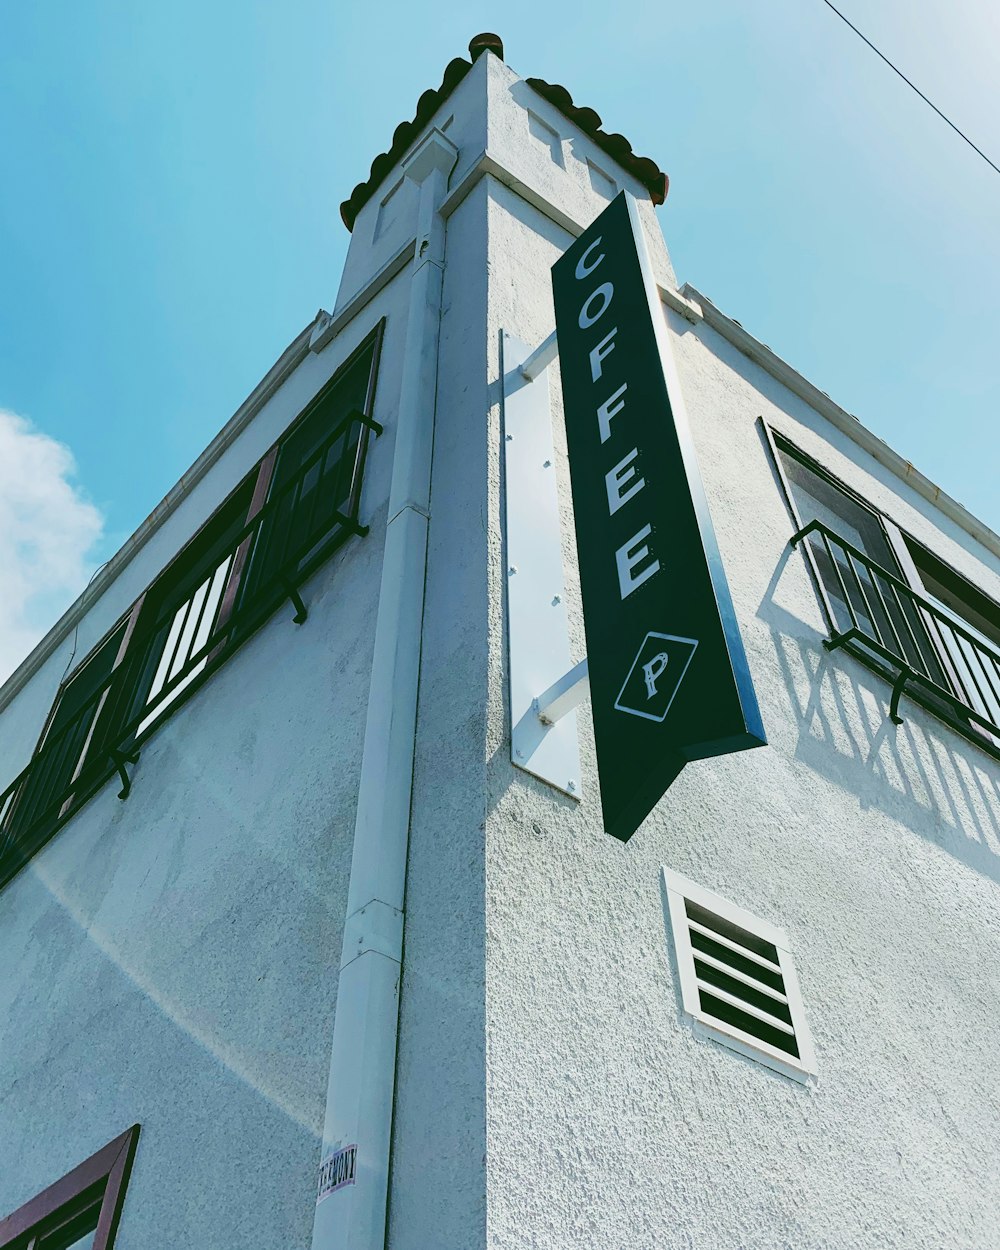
x=316, y=478
x=896, y=605
x=70, y=737
x=81, y=1211
x=737, y=978
x=183, y=609
x=965, y=629
x=293, y=510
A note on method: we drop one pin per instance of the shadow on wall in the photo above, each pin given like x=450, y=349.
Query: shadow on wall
x=921, y=773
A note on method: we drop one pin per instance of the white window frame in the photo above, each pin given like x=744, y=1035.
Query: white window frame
x=677, y=888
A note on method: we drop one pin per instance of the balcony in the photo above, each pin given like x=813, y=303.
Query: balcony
x=927, y=652
x=248, y=560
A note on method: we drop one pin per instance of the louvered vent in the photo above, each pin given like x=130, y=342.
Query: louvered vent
x=737, y=977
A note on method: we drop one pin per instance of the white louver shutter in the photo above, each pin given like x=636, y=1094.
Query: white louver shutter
x=737, y=978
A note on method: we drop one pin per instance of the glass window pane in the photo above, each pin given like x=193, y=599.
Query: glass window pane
x=86, y=1242
x=819, y=500
x=69, y=740
x=189, y=633
x=311, y=488
x=181, y=615
x=75, y=1233
x=861, y=597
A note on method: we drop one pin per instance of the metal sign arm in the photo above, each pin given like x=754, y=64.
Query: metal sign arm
x=563, y=695
x=540, y=359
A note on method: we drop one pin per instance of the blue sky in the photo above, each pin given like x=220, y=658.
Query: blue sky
x=172, y=175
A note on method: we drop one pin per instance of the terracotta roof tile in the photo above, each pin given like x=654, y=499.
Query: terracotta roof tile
x=617, y=146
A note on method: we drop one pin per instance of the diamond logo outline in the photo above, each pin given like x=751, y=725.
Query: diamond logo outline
x=632, y=711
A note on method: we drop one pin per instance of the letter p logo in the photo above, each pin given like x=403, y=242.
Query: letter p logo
x=652, y=672
x=655, y=675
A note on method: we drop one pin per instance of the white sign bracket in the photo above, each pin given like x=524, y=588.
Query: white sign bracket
x=545, y=687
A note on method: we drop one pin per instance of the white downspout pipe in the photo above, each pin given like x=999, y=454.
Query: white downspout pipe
x=363, y=1060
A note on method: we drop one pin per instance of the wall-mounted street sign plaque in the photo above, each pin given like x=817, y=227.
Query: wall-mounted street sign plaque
x=669, y=678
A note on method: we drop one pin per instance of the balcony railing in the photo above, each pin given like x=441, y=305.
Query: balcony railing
x=233, y=586
x=927, y=652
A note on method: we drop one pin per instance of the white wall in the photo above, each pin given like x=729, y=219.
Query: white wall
x=172, y=959
x=877, y=849
x=389, y=220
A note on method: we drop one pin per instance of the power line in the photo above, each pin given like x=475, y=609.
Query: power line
x=960, y=134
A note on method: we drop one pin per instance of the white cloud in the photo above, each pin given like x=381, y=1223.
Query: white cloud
x=47, y=534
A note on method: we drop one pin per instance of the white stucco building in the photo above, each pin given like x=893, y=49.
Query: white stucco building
x=334, y=940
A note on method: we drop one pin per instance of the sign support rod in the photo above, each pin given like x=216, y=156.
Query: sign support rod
x=564, y=695
x=540, y=359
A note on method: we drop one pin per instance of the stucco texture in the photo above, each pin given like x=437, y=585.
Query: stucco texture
x=172, y=959
x=878, y=850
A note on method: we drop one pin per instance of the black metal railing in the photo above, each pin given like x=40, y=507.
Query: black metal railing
x=236, y=582
x=926, y=651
